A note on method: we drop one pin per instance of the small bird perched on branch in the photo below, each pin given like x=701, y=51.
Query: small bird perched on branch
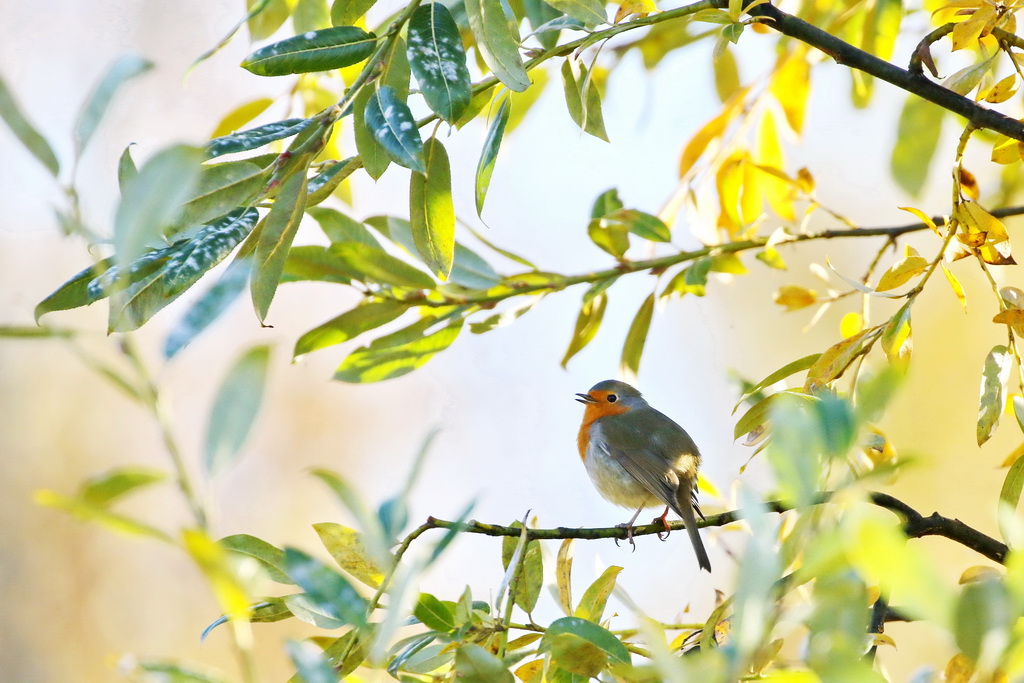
x=638, y=457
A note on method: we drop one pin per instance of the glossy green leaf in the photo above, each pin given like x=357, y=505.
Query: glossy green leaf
x=152, y=201
x=636, y=337
x=592, y=604
x=122, y=70
x=311, y=665
x=208, y=307
x=34, y=142
x=474, y=664
x=642, y=224
x=588, y=631
x=106, y=488
x=498, y=42
x=312, y=262
x=471, y=270
x=587, y=324
x=438, y=60
x=269, y=556
x=375, y=158
x=917, y=136
x=348, y=12
x=349, y=325
x=234, y=409
x=222, y=188
x=75, y=292
x=327, y=589
x=489, y=153
x=994, y=377
x=539, y=14
x=590, y=12
x=791, y=368
x=529, y=579
x=432, y=212
x=347, y=548
x=118, y=277
x=396, y=70
x=310, y=15
x=394, y=127
x=434, y=613
x=323, y=184
x=582, y=98
x=368, y=263
x=341, y=228
x=312, y=612
x=275, y=239
x=398, y=353
x=254, y=138
x=323, y=50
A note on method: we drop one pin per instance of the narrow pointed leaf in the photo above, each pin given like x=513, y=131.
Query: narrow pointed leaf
x=993, y=388
x=348, y=12
x=341, y=228
x=74, y=292
x=126, y=169
x=394, y=127
x=210, y=306
x=582, y=98
x=311, y=665
x=234, y=409
x=108, y=487
x=432, y=212
x=595, y=598
x=438, y=60
x=269, y=556
x=311, y=15
x=349, y=325
x=398, y=353
x=372, y=264
x=279, y=228
x=122, y=70
x=590, y=12
x=254, y=138
x=471, y=270
x=323, y=50
x=587, y=324
x=30, y=137
x=375, y=158
x=221, y=188
x=633, y=348
x=489, y=153
x=327, y=589
x=498, y=43
x=347, y=548
x=324, y=183
x=919, y=129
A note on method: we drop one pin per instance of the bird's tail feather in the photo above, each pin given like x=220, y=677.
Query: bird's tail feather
x=685, y=508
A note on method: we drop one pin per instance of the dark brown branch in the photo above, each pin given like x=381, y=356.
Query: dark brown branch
x=915, y=525
x=916, y=83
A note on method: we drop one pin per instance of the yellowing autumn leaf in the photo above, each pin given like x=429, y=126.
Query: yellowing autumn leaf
x=794, y=297
x=979, y=573
x=1002, y=90
x=901, y=272
x=1014, y=317
x=980, y=226
x=790, y=85
x=640, y=8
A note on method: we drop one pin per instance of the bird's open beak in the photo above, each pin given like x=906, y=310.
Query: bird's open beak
x=586, y=398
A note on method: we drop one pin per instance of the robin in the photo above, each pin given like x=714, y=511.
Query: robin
x=638, y=457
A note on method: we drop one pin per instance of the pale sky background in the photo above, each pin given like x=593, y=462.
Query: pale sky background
x=78, y=597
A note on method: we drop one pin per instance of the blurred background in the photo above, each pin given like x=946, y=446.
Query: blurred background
x=81, y=601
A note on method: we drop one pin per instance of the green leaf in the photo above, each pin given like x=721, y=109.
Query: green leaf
x=633, y=347
x=209, y=307
x=376, y=265
x=590, y=12
x=327, y=589
x=1013, y=484
x=587, y=322
x=266, y=16
x=254, y=138
x=539, y=14
x=279, y=228
x=594, y=600
x=994, y=377
x=641, y=224
x=349, y=325
x=122, y=70
x=348, y=12
x=394, y=127
x=269, y=556
x=311, y=664
x=74, y=292
x=89, y=512
x=398, y=353
x=582, y=98
x=103, y=489
x=791, y=368
x=348, y=652
x=895, y=339
x=375, y=158
x=152, y=201
x=310, y=15
x=984, y=616
x=316, y=263
x=584, y=630
x=471, y=270
x=396, y=70
x=223, y=187
x=347, y=548
x=432, y=212
x=435, y=614
x=176, y=672
x=489, y=153
x=25, y=132
x=234, y=409
x=323, y=184
x=438, y=60
x=529, y=578
x=498, y=42
x=323, y=50
x=474, y=664
x=917, y=136
x=309, y=611
x=126, y=170
x=266, y=611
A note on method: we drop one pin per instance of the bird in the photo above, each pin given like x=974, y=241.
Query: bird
x=638, y=457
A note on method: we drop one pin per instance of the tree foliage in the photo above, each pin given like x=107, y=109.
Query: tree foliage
x=828, y=574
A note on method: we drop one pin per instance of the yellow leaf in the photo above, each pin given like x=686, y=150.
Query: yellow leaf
x=805, y=181
x=1014, y=317
x=980, y=224
x=901, y=272
x=640, y=8
x=704, y=485
x=996, y=254
x=958, y=289
x=729, y=183
x=794, y=297
x=347, y=548
x=1013, y=297
x=878, y=449
x=924, y=218
x=752, y=200
x=979, y=573
x=851, y=324
x=790, y=85
x=969, y=184
x=1007, y=151
x=966, y=33
x=531, y=672
x=240, y=116
x=1013, y=457
x=711, y=131
x=1003, y=90
x=833, y=362
x=959, y=669
x=213, y=560
x=881, y=639
x=722, y=631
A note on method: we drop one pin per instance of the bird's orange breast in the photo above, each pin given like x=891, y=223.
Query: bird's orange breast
x=594, y=412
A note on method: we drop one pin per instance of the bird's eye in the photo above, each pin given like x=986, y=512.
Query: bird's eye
x=612, y=398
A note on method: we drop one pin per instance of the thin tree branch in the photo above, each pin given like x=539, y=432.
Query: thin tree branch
x=915, y=525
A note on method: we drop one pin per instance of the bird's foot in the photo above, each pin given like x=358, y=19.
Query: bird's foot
x=664, y=522
x=629, y=534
